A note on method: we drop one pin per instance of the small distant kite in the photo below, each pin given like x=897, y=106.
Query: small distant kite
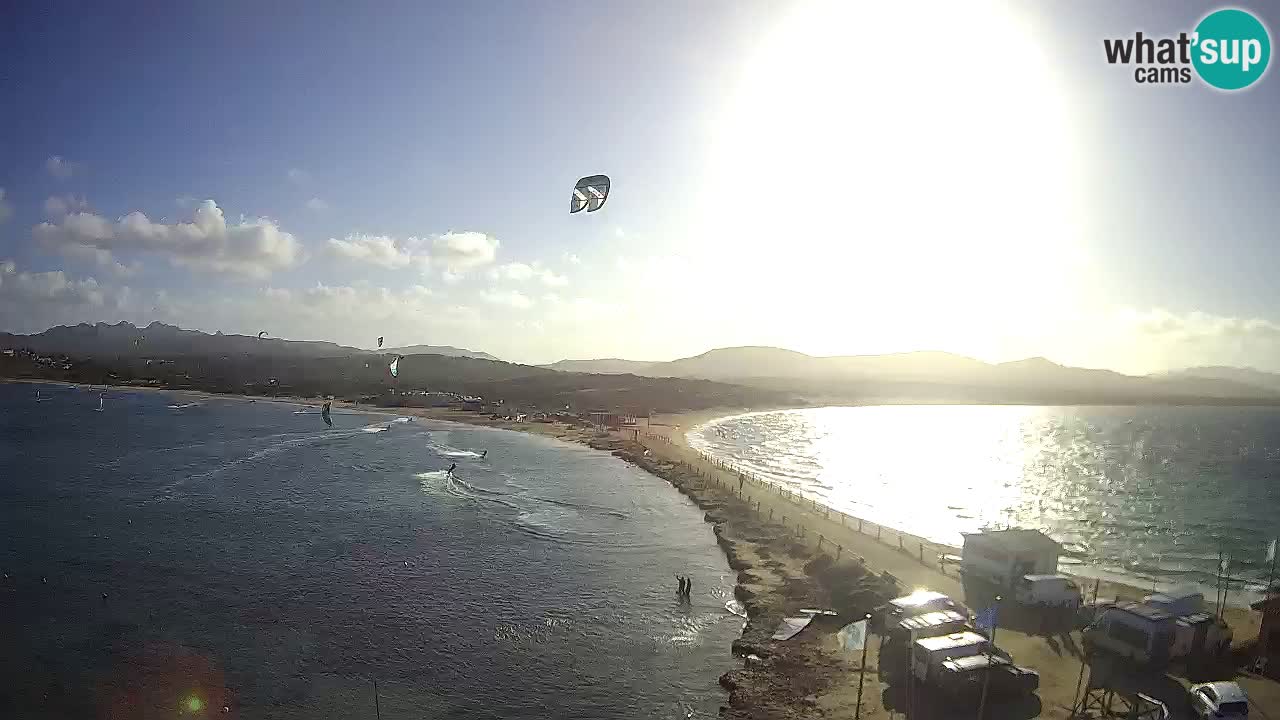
x=394, y=367
x=264, y=332
x=379, y=342
x=589, y=194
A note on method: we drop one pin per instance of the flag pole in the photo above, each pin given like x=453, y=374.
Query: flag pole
x=1218, y=585
x=986, y=677
x=862, y=669
x=1271, y=578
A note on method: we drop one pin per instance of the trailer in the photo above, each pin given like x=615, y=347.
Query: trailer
x=1132, y=631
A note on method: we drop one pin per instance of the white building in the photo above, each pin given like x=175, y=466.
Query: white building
x=1002, y=557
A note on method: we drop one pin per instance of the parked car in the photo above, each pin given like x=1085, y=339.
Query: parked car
x=1219, y=700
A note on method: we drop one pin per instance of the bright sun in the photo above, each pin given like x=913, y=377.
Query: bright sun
x=913, y=165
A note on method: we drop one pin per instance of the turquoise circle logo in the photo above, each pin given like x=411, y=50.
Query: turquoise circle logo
x=1232, y=49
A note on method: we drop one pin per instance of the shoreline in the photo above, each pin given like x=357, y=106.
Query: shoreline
x=1116, y=582
x=788, y=557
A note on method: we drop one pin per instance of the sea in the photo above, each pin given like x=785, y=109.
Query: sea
x=216, y=557
x=1150, y=496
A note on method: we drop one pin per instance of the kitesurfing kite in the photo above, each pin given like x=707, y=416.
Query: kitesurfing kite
x=264, y=332
x=589, y=194
x=394, y=367
x=325, y=413
x=379, y=342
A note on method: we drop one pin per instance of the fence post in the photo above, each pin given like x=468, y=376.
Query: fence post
x=877, y=532
x=900, y=541
x=921, y=553
x=859, y=524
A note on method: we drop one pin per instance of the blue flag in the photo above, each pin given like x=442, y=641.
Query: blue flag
x=986, y=620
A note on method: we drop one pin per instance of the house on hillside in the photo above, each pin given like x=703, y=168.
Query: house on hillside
x=1001, y=557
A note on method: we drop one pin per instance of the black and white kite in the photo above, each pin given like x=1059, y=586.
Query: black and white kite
x=379, y=342
x=589, y=194
x=264, y=332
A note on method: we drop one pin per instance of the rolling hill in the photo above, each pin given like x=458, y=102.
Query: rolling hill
x=445, y=350
x=945, y=377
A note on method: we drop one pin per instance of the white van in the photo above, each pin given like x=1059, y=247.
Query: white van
x=1047, y=591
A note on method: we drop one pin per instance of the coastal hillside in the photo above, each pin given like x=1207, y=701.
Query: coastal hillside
x=945, y=377
x=605, y=366
x=446, y=350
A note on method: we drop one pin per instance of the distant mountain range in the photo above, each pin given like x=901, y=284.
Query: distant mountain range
x=900, y=377
x=943, y=377
x=446, y=350
x=126, y=340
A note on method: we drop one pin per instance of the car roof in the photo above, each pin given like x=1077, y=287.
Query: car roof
x=918, y=598
x=1226, y=691
x=947, y=642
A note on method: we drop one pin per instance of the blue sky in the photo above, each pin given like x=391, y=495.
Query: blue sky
x=784, y=174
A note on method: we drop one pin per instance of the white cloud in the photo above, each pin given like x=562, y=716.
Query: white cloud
x=250, y=247
x=380, y=250
x=102, y=259
x=507, y=298
x=462, y=251
x=299, y=177
x=58, y=206
x=61, y=167
x=1156, y=339
x=185, y=201
x=511, y=271
x=519, y=272
x=315, y=204
x=6, y=210
x=32, y=301
x=355, y=315
x=551, y=279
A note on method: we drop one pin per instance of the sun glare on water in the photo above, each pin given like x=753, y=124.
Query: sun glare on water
x=915, y=165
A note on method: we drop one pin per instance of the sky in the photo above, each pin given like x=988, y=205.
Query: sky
x=835, y=178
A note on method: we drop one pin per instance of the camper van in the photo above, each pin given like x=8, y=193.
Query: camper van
x=1199, y=637
x=898, y=639
x=1133, y=631
x=919, y=602
x=958, y=664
